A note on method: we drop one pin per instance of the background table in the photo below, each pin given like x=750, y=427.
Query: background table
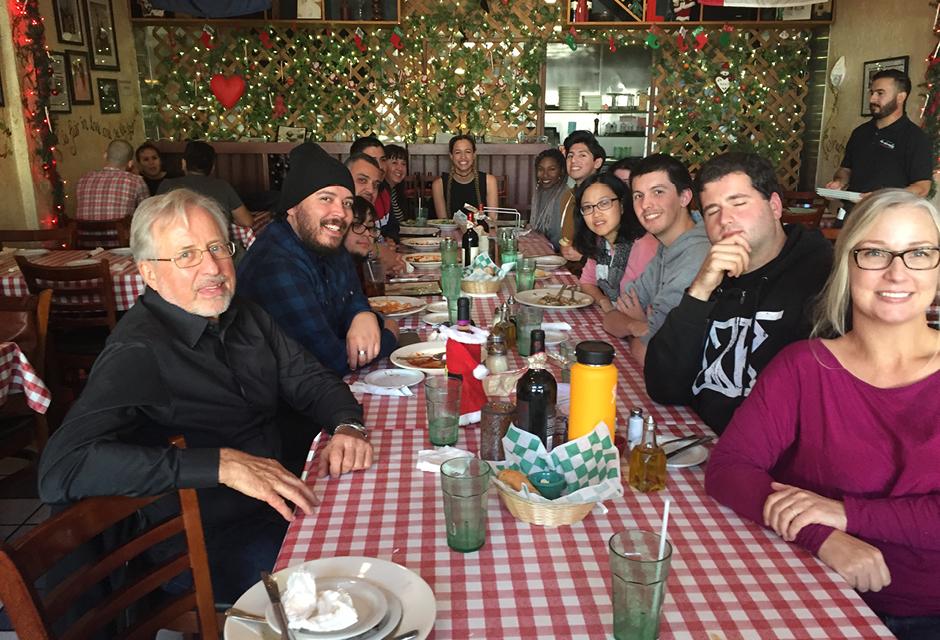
x=730, y=578
x=17, y=374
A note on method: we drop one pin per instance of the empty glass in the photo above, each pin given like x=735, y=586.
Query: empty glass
x=638, y=575
x=525, y=274
x=442, y=395
x=465, y=482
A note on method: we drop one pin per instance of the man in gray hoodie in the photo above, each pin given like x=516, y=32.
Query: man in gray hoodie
x=662, y=191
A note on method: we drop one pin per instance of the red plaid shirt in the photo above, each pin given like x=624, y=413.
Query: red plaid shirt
x=109, y=194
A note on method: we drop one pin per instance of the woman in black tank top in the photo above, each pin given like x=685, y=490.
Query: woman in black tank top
x=464, y=184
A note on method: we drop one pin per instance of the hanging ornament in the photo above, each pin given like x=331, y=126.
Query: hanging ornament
x=397, y=35
x=681, y=44
x=724, y=39
x=358, y=35
x=682, y=10
x=569, y=39
x=611, y=44
x=701, y=38
x=652, y=40
x=206, y=37
x=265, y=38
x=280, y=109
x=228, y=90
x=723, y=81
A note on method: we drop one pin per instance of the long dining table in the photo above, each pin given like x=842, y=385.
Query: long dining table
x=730, y=578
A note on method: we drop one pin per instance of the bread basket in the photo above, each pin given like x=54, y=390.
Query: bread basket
x=481, y=286
x=546, y=514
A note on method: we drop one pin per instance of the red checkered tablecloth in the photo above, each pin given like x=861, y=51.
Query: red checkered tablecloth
x=730, y=578
x=128, y=284
x=18, y=375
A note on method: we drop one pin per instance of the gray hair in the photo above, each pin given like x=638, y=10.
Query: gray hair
x=119, y=152
x=175, y=205
x=832, y=309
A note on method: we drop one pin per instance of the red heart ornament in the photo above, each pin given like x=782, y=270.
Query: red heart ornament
x=228, y=90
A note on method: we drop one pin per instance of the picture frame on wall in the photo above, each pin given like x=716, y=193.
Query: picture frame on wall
x=109, y=100
x=291, y=134
x=79, y=75
x=102, y=41
x=872, y=67
x=59, y=101
x=69, y=22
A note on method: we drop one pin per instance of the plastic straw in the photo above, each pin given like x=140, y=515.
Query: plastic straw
x=371, y=273
x=662, y=530
x=310, y=454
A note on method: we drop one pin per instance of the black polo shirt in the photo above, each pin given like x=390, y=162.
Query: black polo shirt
x=894, y=156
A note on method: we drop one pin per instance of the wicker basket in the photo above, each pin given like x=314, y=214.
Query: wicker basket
x=481, y=286
x=542, y=513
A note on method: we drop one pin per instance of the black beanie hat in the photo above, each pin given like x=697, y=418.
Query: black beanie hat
x=311, y=169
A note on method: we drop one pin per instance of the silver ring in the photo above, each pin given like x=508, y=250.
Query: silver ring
x=362, y=352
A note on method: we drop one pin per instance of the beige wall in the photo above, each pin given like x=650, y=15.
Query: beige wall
x=870, y=30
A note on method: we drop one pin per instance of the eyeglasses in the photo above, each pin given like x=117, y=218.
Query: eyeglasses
x=189, y=258
x=361, y=230
x=601, y=205
x=919, y=259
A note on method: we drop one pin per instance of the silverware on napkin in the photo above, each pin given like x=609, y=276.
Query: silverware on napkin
x=274, y=595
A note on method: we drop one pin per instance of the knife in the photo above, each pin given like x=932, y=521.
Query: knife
x=694, y=443
x=274, y=595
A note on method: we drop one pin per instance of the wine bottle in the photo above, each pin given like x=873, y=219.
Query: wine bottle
x=536, y=393
x=470, y=242
x=463, y=314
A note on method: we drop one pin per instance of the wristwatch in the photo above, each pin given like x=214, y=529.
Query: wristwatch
x=354, y=426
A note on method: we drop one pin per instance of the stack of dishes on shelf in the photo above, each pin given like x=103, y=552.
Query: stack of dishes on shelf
x=569, y=98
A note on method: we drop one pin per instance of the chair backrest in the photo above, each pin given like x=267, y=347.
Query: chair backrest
x=25, y=321
x=83, y=296
x=102, y=233
x=57, y=238
x=28, y=558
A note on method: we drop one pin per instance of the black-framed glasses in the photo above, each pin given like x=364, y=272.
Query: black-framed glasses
x=189, y=258
x=361, y=230
x=601, y=205
x=917, y=259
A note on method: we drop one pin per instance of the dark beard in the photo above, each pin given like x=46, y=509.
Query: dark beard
x=310, y=241
x=885, y=111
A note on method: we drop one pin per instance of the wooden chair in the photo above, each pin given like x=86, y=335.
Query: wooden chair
x=57, y=238
x=82, y=315
x=28, y=558
x=90, y=234
x=502, y=184
x=25, y=321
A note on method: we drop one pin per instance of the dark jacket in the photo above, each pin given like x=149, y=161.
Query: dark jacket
x=708, y=354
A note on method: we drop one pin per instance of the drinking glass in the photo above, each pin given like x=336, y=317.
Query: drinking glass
x=527, y=319
x=421, y=216
x=495, y=417
x=374, y=278
x=464, y=483
x=638, y=575
x=442, y=395
x=449, y=251
x=525, y=274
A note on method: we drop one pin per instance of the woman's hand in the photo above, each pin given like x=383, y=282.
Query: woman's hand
x=788, y=509
x=861, y=564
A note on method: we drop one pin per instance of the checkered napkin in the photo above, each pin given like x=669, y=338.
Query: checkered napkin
x=590, y=463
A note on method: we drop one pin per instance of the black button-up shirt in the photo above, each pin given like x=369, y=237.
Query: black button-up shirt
x=167, y=372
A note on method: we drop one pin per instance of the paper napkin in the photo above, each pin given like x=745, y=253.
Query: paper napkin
x=430, y=460
x=362, y=387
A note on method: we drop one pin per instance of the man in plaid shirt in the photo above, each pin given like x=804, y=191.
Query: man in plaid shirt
x=112, y=192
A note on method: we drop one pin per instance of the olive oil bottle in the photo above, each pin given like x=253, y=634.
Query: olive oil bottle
x=648, y=462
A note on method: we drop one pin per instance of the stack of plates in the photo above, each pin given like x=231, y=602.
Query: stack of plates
x=569, y=98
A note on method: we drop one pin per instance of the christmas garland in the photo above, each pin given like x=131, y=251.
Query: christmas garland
x=931, y=111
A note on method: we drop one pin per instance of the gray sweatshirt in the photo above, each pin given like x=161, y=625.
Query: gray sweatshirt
x=668, y=275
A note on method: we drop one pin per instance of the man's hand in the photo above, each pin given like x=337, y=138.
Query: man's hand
x=859, y=563
x=570, y=253
x=363, y=340
x=730, y=256
x=838, y=185
x=344, y=453
x=264, y=479
x=629, y=305
x=788, y=509
x=390, y=258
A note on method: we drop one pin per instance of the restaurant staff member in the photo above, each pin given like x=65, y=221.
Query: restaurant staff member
x=889, y=150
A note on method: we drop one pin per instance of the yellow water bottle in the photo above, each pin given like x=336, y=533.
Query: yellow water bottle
x=593, y=389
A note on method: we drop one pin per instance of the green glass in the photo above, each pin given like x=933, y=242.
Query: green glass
x=442, y=395
x=465, y=483
x=638, y=576
x=451, y=274
x=449, y=251
x=527, y=319
x=525, y=274
x=506, y=237
x=506, y=257
x=421, y=216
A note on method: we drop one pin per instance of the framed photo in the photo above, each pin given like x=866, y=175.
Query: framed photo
x=59, y=101
x=291, y=134
x=872, y=67
x=102, y=42
x=79, y=75
x=69, y=22
x=108, y=97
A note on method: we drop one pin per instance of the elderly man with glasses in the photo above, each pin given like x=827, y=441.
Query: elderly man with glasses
x=193, y=359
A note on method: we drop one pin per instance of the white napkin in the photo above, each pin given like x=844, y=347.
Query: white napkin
x=431, y=459
x=95, y=251
x=362, y=387
x=308, y=610
x=556, y=326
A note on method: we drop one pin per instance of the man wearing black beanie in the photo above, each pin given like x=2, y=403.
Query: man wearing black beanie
x=300, y=273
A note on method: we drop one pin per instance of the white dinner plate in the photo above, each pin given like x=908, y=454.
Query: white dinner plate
x=424, y=261
x=423, y=244
x=415, y=305
x=550, y=262
x=121, y=251
x=533, y=298
x=444, y=225
x=408, y=230
x=368, y=599
x=689, y=458
x=541, y=274
x=419, y=609
x=437, y=307
x=438, y=317
x=394, y=378
x=399, y=356
x=84, y=262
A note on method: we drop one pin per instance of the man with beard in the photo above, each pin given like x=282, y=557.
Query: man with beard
x=298, y=271
x=192, y=359
x=889, y=150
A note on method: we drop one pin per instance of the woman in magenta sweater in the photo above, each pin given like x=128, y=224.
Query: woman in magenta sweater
x=837, y=448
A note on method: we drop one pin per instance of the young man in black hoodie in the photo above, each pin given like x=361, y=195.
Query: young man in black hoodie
x=750, y=299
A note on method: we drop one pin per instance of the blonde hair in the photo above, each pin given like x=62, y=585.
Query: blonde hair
x=834, y=303
x=176, y=204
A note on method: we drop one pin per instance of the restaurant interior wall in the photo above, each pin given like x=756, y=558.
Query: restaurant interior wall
x=872, y=30
x=19, y=207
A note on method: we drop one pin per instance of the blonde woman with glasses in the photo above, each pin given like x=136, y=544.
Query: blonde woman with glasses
x=837, y=448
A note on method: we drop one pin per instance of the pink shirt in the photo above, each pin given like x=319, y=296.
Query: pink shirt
x=641, y=253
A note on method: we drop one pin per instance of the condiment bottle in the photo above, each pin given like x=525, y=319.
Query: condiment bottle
x=497, y=360
x=593, y=389
x=536, y=394
x=635, y=427
x=504, y=327
x=648, y=462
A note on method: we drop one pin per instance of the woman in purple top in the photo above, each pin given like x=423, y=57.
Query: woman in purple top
x=837, y=448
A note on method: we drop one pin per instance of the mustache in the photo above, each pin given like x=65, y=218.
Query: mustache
x=211, y=281
x=338, y=222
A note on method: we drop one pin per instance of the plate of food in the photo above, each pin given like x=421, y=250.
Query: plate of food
x=396, y=306
x=555, y=298
x=444, y=224
x=542, y=275
x=423, y=244
x=550, y=262
x=426, y=357
x=419, y=231
x=424, y=260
